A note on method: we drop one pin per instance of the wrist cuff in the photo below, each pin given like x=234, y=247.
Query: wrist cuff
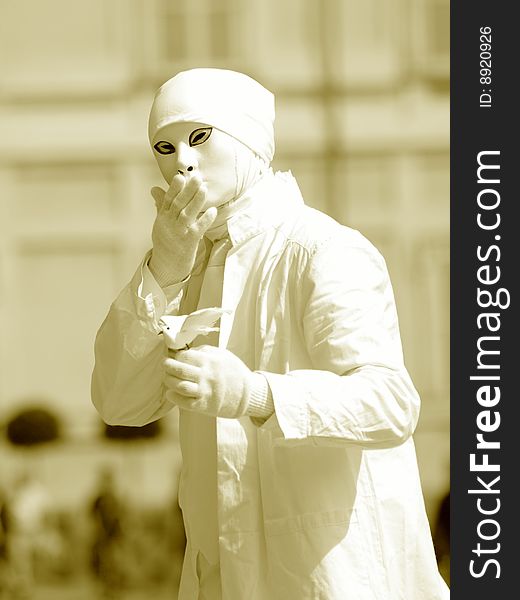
x=260, y=398
x=162, y=274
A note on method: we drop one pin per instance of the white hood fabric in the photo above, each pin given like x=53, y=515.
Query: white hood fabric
x=227, y=100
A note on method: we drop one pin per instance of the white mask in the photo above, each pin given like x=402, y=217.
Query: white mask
x=226, y=166
x=231, y=102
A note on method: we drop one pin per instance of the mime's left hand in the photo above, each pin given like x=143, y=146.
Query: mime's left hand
x=209, y=380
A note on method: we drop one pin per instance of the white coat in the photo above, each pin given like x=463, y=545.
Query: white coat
x=323, y=500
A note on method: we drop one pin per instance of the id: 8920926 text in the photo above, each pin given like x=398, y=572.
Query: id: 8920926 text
x=485, y=67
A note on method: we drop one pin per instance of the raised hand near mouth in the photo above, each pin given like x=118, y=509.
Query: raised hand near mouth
x=178, y=228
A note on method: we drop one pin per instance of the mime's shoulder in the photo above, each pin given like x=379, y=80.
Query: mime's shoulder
x=313, y=229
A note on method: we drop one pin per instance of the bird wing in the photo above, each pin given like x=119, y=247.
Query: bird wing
x=183, y=329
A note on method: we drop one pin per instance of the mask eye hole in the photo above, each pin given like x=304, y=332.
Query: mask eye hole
x=199, y=136
x=164, y=147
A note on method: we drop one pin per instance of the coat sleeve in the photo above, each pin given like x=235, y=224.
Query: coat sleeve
x=358, y=389
x=126, y=385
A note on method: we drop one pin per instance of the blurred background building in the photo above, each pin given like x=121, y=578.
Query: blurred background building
x=362, y=93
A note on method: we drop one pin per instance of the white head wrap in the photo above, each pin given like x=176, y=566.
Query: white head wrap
x=227, y=100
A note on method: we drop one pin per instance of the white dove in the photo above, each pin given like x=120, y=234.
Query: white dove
x=181, y=330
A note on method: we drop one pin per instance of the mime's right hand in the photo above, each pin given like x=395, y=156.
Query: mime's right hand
x=178, y=228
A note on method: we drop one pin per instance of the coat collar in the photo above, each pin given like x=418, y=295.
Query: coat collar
x=262, y=206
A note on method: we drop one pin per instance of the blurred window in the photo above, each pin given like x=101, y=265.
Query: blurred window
x=199, y=29
x=432, y=38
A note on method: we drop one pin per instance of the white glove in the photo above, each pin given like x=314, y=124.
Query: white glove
x=209, y=380
x=178, y=228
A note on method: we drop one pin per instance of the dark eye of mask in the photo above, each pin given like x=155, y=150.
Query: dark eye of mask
x=199, y=136
x=164, y=147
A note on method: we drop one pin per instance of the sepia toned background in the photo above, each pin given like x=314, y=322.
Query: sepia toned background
x=362, y=101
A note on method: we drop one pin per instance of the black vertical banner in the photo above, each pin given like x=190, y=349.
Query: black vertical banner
x=485, y=254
